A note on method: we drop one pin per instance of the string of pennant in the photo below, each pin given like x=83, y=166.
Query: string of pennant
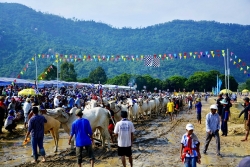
x=114, y=58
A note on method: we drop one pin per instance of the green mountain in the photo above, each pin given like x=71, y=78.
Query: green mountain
x=25, y=32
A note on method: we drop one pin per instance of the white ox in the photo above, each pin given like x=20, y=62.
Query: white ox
x=144, y=107
x=91, y=104
x=98, y=118
x=133, y=110
x=163, y=104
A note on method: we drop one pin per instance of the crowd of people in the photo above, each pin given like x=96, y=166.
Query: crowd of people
x=14, y=108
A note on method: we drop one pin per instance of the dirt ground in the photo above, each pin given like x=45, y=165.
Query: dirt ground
x=157, y=143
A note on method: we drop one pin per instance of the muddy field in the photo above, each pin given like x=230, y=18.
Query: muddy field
x=157, y=143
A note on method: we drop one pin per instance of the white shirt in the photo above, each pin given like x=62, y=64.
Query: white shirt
x=56, y=102
x=26, y=107
x=124, y=128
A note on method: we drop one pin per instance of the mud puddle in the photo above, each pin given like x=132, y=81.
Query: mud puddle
x=13, y=152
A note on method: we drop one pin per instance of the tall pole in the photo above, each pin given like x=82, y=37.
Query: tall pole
x=228, y=70
x=225, y=65
x=57, y=75
x=36, y=72
x=217, y=85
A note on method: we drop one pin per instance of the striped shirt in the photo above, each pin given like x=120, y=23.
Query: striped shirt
x=212, y=122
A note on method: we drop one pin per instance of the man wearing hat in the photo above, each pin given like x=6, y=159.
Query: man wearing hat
x=190, y=147
x=219, y=105
x=124, y=129
x=198, y=107
x=26, y=110
x=57, y=100
x=246, y=112
x=212, y=128
x=83, y=136
x=224, y=117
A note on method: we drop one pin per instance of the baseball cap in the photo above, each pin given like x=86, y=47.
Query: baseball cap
x=214, y=106
x=78, y=112
x=190, y=127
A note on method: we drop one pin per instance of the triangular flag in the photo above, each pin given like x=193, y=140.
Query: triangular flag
x=247, y=67
x=232, y=53
x=239, y=60
x=234, y=62
x=241, y=68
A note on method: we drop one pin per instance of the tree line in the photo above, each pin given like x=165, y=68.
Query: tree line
x=198, y=81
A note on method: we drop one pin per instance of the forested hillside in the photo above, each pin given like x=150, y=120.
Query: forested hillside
x=25, y=32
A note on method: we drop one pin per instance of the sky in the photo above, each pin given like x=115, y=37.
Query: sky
x=143, y=13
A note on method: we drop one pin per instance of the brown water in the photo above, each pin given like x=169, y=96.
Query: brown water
x=13, y=152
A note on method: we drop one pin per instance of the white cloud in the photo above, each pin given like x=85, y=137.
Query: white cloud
x=136, y=13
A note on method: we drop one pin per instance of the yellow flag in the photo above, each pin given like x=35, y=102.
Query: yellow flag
x=190, y=53
x=223, y=54
x=234, y=62
x=192, y=92
x=45, y=72
x=239, y=60
x=32, y=58
x=223, y=51
x=56, y=60
x=241, y=68
x=56, y=55
x=213, y=55
x=21, y=72
x=185, y=57
x=84, y=56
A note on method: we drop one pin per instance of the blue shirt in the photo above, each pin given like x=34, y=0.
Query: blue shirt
x=198, y=107
x=212, y=122
x=36, y=126
x=71, y=102
x=82, y=131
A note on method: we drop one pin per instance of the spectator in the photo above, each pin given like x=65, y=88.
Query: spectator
x=246, y=119
x=26, y=110
x=10, y=122
x=36, y=128
x=212, y=128
x=190, y=147
x=83, y=135
x=2, y=113
x=124, y=129
x=198, y=107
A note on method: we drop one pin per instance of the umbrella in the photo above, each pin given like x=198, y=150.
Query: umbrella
x=245, y=91
x=225, y=91
x=26, y=92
